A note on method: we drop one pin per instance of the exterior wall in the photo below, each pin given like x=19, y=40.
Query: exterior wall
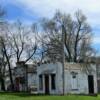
x=82, y=83
x=32, y=80
x=82, y=78
x=52, y=68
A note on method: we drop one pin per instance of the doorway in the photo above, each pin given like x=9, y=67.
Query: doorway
x=47, y=84
x=91, y=84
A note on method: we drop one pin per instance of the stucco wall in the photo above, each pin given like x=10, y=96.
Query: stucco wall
x=32, y=79
x=82, y=80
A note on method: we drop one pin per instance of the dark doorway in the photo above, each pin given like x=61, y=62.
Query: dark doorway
x=91, y=84
x=17, y=84
x=98, y=81
x=46, y=84
x=53, y=83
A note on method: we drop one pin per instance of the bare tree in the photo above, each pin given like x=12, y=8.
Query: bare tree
x=5, y=48
x=6, y=51
x=2, y=56
x=2, y=70
x=23, y=42
x=77, y=33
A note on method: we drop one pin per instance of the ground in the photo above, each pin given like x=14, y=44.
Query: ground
x=24, y=96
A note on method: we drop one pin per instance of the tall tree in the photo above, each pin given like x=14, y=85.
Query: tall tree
x=7, y=52
x=2, y=57
x=5, y=49
x=77, y=33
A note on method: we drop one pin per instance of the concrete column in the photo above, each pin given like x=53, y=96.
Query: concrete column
x=43, y=83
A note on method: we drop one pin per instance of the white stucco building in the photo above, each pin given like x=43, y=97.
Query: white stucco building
x=78, y=78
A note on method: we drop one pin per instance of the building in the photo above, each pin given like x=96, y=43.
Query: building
x=25, y=77
x=78, y=78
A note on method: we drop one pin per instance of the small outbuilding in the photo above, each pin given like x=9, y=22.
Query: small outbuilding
x=78, y=78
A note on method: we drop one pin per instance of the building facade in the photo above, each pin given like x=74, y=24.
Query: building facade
x=78, y=78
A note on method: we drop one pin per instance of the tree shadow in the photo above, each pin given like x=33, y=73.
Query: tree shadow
x=26, y=94
x=21, y=94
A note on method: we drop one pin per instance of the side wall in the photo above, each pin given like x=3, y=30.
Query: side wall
x=32, y=80
x=82, y=80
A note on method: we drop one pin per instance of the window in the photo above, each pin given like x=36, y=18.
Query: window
x=40, y=82
x=22, y=80
x=53, y=83
x=98, y=73
x=74, y=81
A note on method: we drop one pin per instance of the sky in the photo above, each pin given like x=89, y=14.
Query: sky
x=29, y=11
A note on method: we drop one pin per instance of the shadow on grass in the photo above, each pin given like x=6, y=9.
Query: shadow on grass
x=25, y=94
x=22, y=94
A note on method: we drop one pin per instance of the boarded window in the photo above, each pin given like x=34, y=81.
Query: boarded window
x=40, y=82
x=53, y=83
x=74, y=81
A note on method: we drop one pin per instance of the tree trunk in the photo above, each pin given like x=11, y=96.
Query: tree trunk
x=10, y=74
x=2, y=84
x=9, y=67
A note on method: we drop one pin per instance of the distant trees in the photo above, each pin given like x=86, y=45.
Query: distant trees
x=77, y=37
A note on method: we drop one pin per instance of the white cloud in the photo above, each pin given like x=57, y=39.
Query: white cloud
x=46, y=8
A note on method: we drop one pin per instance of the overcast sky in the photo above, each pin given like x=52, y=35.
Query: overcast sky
x=32, y=10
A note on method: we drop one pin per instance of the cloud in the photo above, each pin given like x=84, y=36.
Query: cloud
x=46, y=8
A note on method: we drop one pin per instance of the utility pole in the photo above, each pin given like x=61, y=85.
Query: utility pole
x=63, y=59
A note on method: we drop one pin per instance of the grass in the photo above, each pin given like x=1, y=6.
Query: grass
x=25, y=96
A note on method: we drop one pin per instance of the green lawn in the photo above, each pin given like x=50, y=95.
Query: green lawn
x=24, y=96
